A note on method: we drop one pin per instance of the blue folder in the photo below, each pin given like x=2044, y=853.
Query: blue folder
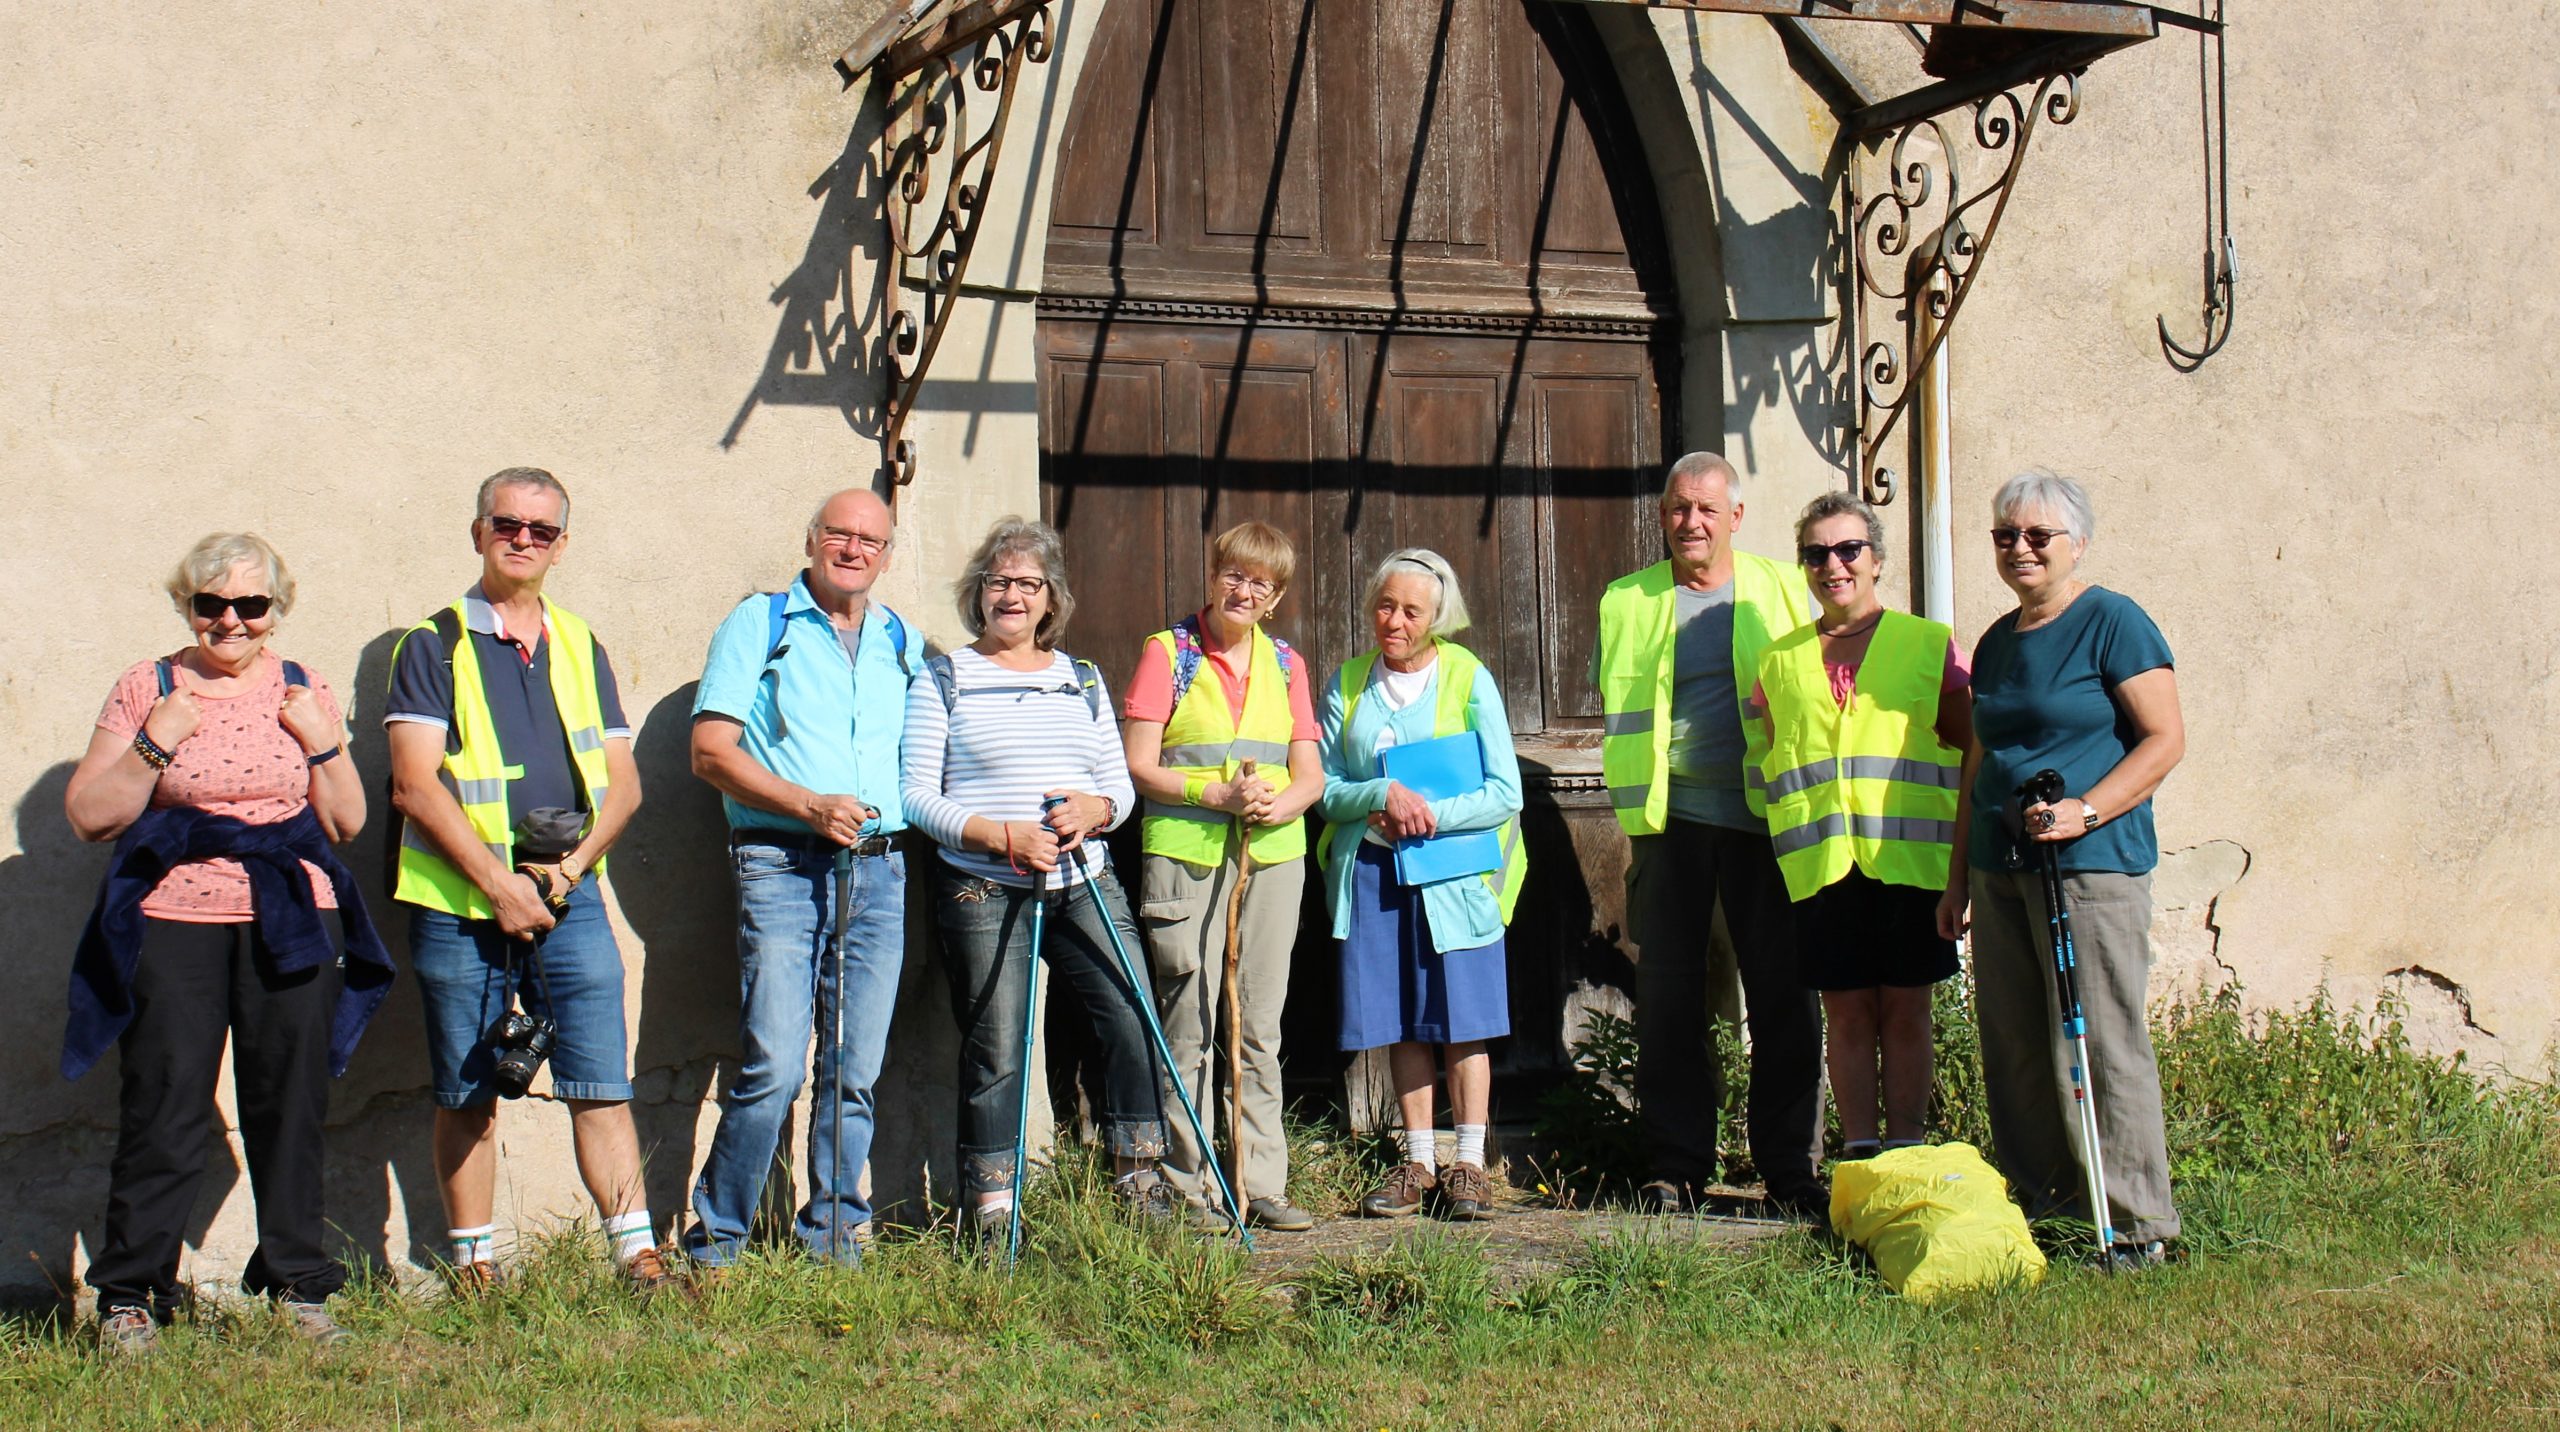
x=1436, y=770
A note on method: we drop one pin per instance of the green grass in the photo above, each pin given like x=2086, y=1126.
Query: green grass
x=2374, y=1240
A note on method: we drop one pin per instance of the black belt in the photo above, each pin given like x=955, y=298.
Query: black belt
x=863, y=849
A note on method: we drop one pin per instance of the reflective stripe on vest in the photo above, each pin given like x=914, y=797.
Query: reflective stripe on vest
x=477, y=772
x=1457, y=684
x=1202, y=737
x=1869, y=784
x=1639, y=641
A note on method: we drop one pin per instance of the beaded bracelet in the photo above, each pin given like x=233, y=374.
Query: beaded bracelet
x=153, y=754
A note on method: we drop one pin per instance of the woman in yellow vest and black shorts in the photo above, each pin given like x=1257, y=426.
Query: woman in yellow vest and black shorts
x=1210, y=697
x=1868, y=712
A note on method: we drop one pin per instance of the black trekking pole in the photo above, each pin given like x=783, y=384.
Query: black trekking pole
x=2045, y=787
x=835, y=1056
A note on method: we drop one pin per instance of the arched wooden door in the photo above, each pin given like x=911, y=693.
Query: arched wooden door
x=1383, y=273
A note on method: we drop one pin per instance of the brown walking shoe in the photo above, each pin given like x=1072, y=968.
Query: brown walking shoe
x=646, y=1272
x=1401, y=1195
x=1466, y=1193
x=472, y=1280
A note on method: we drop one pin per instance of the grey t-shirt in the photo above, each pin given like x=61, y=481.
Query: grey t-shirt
x=1706, y=723
x=851, y=636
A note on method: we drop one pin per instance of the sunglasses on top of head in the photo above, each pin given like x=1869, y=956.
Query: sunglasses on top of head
x=540, y=534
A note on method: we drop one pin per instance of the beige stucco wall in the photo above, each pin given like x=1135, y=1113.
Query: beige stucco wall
x=317, y=272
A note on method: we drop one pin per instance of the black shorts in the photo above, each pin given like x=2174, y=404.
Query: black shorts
x=1857, y=933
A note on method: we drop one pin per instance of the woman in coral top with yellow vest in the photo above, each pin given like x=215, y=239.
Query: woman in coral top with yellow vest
x=1210, y=695
x=1868, y=712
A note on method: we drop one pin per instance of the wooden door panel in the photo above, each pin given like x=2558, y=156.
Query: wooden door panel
x=1437, y=127
x=1596, y=498
x=1261, y=141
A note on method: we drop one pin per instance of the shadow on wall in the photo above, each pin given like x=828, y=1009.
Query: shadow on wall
x=824, y=353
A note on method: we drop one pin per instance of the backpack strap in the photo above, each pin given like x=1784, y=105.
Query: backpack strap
x=1186, y=657
x=945, y=681
x=1089, y=677
x=774, y=645
x=1288, y=661
x=294, y=675
x=168, y=681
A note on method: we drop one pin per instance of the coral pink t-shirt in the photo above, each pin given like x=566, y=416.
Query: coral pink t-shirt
x=1150, y=695
x=241, y=762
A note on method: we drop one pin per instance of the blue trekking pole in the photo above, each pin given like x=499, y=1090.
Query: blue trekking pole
x=835, y=1056
x=1030, y=1023
x=2045, y=786
x=1139, y=992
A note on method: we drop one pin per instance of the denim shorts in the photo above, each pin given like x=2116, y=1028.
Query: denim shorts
x=463, y=983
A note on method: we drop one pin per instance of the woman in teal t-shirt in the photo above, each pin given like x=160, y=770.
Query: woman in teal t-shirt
x=2077, y=680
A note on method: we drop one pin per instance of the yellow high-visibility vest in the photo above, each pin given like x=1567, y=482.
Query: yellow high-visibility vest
x=477, y=772
x=1202, y=738
x=1639, y=616
x=1448, y=718
x=1867, y=783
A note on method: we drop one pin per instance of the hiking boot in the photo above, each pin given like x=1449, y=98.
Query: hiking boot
x=472, y=1280
x=1466, y=1193
x=1802, y=1203
x=127, y=1332
x=1149, y=1196
x=1401, y=1195
x=1664, y=1197
x=2134, y=1257
x=1201, y=1218
x=646, y=1272
x=1279, y=1215
x=312, y=1324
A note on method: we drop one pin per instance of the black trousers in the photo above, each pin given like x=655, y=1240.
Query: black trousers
x=1673, y=880
x=195, y=985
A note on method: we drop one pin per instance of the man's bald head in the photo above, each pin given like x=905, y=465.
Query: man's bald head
x=849, y=544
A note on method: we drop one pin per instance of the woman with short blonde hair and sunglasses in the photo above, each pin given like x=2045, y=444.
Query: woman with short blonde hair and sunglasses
x=220, y=772
x=1221, y=741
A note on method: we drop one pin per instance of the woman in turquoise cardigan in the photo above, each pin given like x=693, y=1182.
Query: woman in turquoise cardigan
x=1422, y=965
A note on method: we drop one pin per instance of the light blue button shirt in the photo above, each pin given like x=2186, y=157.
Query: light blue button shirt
x=811, y=716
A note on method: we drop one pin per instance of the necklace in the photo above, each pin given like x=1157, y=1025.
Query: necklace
x=2070, y=594
x=1846, y=632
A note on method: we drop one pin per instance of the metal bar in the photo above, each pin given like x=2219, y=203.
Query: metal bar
x=2080, y=17
x=2051, y=59
x=959, y=28
x=1839, y=85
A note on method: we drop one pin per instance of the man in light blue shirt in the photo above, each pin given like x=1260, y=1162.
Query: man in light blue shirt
x=798, y=722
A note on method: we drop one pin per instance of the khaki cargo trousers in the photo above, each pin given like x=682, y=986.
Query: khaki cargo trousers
x=1183, y=910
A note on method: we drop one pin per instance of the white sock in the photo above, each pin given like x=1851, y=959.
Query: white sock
x=474, y=1245
x=630, y=1233
x=1420, y=1148
x=1471, y=1144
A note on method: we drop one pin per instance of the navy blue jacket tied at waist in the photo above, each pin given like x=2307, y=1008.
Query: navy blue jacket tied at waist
x=287, y=915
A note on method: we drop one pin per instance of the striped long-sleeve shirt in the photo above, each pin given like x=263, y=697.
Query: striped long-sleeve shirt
x=1009, y=738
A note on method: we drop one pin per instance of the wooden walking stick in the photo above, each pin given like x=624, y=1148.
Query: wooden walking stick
x=1233, y=1012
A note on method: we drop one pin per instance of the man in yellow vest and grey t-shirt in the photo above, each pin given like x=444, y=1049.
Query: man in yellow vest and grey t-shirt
x=1680, y=642
x=502, y=705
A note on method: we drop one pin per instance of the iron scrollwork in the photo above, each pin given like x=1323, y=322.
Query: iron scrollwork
x=938, y=169
x=1916, y=246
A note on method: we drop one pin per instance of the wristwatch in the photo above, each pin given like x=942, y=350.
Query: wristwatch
x=2088, y=816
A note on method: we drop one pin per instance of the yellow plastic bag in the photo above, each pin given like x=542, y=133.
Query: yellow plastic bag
x=1937, y=1220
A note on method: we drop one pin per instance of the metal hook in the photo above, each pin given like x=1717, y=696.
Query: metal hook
x=2221, y=255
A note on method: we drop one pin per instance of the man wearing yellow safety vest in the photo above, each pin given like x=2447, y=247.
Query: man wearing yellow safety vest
x=503, y=706
x=1680, y=643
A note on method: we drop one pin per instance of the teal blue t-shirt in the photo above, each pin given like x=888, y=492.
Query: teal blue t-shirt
x=2047, y=698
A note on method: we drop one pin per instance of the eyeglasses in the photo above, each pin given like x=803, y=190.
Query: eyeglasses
x=211, y=607
x=540, y=534
x=1813, y=554
x=1255, y=587
x=2004, y=538
x=995, y=584
x=846, y=537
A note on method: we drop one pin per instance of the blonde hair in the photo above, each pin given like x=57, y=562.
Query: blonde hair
x=1449, y=615
x=211, y=560
x=1256, y=545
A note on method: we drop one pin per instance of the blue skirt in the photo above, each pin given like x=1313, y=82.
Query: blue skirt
x=1396, y=989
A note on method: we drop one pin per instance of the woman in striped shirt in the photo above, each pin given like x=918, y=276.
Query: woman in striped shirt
x=1004, y=726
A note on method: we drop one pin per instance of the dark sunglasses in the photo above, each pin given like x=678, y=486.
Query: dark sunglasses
x=1812, y=553
x=2004, y=538
x=543, y=534
x=211, y=607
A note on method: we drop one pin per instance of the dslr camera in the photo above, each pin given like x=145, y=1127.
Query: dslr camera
x=523, y=1041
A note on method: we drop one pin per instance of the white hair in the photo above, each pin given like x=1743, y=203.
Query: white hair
x=209, y=561
x=1449, y=614
x=1703, y=464
x=2043, y=488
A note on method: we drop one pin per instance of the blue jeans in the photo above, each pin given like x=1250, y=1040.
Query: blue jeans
x=464, y=981
x=787, y=992
x=986, y=934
